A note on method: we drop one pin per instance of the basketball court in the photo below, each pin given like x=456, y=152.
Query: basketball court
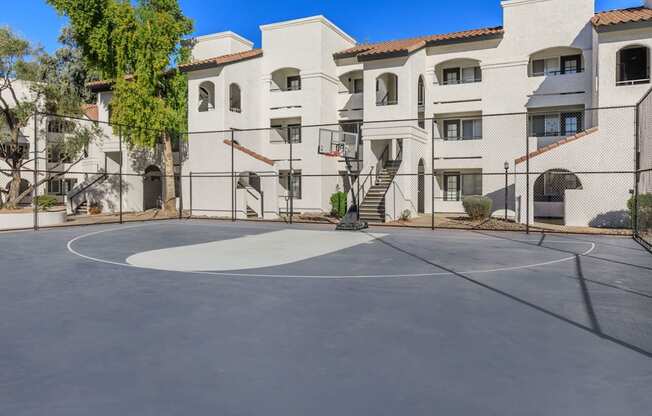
x=212, y=317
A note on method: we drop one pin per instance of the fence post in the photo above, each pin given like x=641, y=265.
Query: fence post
x=190, y=194
x=233, y=193
x=120, y=169
x=35, y=187
x=527, y=175
x=180, y=143
x=637, y=176
x=291, y=177
x=432, y=174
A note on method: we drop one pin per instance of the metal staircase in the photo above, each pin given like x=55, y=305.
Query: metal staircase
x=372, y=208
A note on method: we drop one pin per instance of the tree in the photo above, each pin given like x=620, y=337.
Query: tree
x=136, y=45
x=32, y=82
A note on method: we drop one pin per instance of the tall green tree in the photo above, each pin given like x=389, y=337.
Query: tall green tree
x=137, y=45
x=32, y=81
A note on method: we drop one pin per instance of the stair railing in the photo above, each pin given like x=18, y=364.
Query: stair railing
x=81, y=188
x=252, y=192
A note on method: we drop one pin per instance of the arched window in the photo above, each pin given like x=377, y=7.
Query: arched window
x=633, y=65
x=421, y=91
x=235, y=103
x=206, y=96
x=387, y=89
x=421, y=101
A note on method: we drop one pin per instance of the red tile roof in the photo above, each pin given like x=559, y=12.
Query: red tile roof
x=250, y=152
x=91, y=111
x=407, y=46
x=614, y=17
x=221, y=60
x=556, y=145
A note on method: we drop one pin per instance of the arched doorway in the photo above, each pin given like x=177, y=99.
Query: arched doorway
x=550, y=193
x=152, y=188
x=421, y=187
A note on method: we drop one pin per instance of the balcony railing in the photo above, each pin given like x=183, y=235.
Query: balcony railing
x=460, y=138
x=557, y=73
x=459, y=81
x=290, y=88
x=386, y=100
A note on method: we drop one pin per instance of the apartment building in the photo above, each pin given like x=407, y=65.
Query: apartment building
x=480, y=101
x=93, y=178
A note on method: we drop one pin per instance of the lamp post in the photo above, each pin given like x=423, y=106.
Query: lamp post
x=506, y=166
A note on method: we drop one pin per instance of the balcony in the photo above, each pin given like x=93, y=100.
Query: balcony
x=350, y=105
x=456, y=93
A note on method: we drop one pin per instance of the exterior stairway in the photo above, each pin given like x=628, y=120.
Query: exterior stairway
x=372, y=208
x=251, y=214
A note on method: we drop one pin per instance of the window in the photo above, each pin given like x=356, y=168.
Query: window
x=293, y=186
x=60, y=126
x=235, y=104
x=56, y=154
x=472, y=184
x=471, y=129
x=451, y=76
x=571, y=123
x=421, y=119
x=358, y=85
x=465, y=129
x=452, y=129
x=294, y=133
x=54, y=187
x=206, y=96
x=464, y=75
x=633, y=66
x=550, y=125
x=61, y=186
x=421, y=92
x=549, y=66
x=452, y=187
x=293, y=83
x=571, y=64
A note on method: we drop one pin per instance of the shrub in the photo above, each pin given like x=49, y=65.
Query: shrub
x=45, y=202
x=405, y=215
x=338, y=204
x=95, y=209
x=644, y=217
x=477, y=207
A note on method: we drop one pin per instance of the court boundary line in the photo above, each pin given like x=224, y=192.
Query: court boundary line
x=70, y=248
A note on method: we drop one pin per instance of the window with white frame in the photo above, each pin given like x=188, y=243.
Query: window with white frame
x=452, y=187
x=457, y=185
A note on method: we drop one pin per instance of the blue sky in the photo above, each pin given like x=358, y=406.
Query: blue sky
x=383, y=19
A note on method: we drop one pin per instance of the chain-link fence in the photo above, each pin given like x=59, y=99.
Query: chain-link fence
x=560, y=169
x=642, y=203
